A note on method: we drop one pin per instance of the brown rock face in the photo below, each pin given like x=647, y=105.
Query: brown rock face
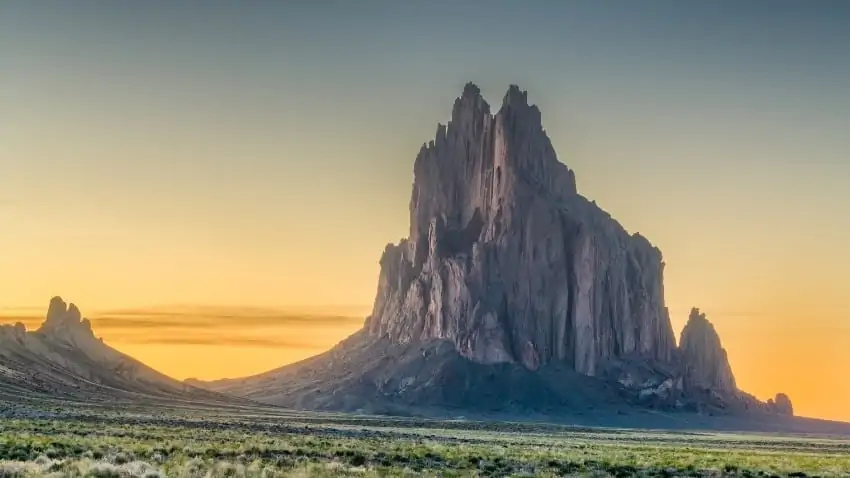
x=506, y=260
x=704, y=358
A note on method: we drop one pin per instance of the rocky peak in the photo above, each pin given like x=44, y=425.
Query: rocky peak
x=16, y=332
x=705, y=359
x=781, y=404
x=470, y=112
x=515, y=107
x=525, y=151
x=471, y=97
x=56, y=310
x=515, y=97
x=64, y=320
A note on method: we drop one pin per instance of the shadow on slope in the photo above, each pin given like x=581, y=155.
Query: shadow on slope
x=367, y=374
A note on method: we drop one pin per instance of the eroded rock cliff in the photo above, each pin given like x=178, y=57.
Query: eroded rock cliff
x=505, y=259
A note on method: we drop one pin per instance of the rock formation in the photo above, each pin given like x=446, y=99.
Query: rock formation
x=15, y=333
x=704, y=358
x=506, y=260
x=781, y=404
x=65, y=324
x=511, y=292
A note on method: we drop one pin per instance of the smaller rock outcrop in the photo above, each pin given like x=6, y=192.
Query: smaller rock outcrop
x=15, y=333
x=65, y=324
x=62, y=317
x=706, y=371
x=704, y=358
x=65, y=358
x=781, y=404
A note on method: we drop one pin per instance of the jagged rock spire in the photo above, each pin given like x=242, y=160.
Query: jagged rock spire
x=56, y=311
x=63, y=318
x=706, y=362
x=471, y=90
x=515, y=97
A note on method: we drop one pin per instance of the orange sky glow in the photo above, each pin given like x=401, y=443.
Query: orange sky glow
x=211, y=342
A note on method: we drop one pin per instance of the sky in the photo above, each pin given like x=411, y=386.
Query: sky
x=172, y=156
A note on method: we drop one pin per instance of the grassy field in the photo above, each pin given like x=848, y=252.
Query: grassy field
x=264, y=443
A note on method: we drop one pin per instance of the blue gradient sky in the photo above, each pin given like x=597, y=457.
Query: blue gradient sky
x=154, y=153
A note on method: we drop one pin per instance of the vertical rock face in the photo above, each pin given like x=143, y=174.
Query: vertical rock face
x=506, y=260
x=704, y=358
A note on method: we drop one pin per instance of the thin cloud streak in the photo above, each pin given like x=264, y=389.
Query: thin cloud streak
x=222, y=321
x=222, y=341
x=30, y=322
x=214, y=327
x=157, y=318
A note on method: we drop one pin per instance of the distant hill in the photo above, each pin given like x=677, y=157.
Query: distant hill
x=63, y=359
